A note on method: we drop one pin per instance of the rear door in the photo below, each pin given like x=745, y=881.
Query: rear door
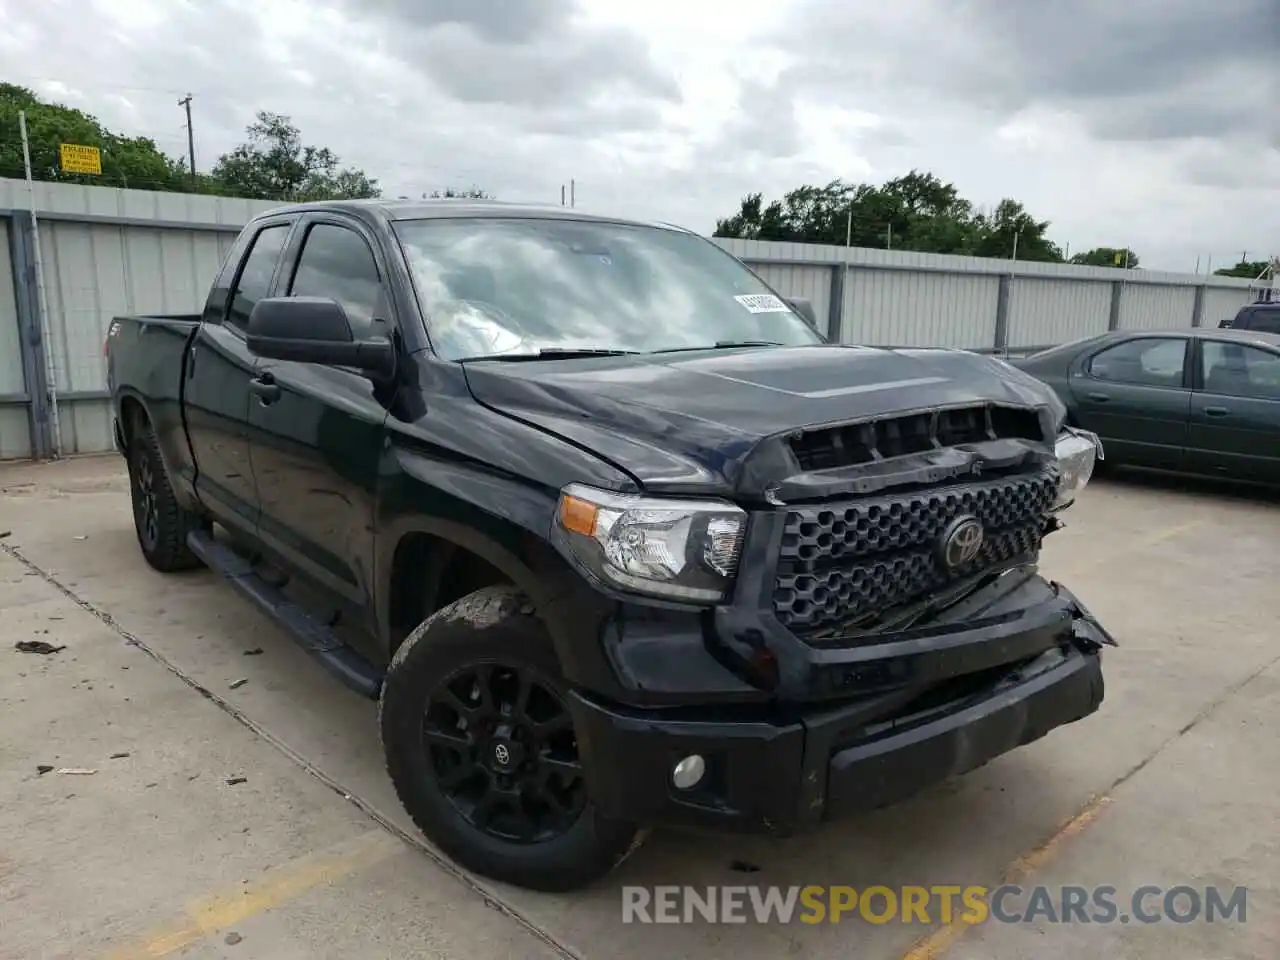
x=318, y=441
x=1135, y=394
x=219, y=367
x=1235, y=410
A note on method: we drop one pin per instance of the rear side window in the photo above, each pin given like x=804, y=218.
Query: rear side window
x=1234, y=370
x=1264, y=321
x=1149, y=361
x=254, y=281
x=337, y=263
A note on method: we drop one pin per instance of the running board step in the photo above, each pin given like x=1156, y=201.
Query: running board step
x=312, y=635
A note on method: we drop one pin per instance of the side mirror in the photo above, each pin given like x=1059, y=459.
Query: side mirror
x=313, y=330
x=804, y=307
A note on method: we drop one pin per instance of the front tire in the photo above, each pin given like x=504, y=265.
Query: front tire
x=481, y=749
x=160, y=523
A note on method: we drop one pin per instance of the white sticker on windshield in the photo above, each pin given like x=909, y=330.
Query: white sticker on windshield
x=762, y=303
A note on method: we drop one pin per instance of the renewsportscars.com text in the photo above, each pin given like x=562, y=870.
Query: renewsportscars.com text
x=935, y=904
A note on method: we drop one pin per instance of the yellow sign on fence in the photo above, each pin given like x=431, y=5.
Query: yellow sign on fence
x=75, y=158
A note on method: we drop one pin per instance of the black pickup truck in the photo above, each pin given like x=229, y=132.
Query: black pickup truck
x=612, y=533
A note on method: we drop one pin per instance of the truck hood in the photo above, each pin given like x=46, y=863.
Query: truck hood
x=717, y=422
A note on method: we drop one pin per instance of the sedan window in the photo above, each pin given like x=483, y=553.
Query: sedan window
x=1148, y=361
x=1234, y=370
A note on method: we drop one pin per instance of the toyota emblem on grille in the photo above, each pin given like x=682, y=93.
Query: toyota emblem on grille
x=961, y=541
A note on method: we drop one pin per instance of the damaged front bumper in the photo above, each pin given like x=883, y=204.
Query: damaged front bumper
x=881, y=721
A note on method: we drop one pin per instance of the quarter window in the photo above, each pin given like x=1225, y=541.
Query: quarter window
x=1148, y=361
x=337, y=263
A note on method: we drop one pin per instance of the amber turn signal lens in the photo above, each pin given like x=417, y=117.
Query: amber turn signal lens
x=578, y=516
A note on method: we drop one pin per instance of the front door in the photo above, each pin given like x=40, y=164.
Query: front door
x=1134, y=395
x=317, y=430
x=219, y=367
x=1235, y=411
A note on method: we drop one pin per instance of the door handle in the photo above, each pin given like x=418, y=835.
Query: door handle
x=266, y=388
x=1100, y=397
x=1216, y=411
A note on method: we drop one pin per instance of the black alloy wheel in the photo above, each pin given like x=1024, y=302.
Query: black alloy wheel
x=146, y=507
x=500, y=742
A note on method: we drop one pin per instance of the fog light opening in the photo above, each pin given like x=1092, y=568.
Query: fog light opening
x=688, y=773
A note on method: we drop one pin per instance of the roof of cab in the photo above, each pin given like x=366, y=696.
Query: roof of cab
x=1211, y=333
x=461, y=207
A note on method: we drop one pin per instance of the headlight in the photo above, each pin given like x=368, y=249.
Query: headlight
x=1077, y=452
x=679, y=549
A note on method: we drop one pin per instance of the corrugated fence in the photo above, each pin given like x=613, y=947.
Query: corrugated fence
x=898, y=298
x=106, y=252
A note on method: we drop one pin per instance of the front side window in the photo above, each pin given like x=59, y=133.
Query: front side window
x=1148, y=361
x=337, y=263
x=254, y=281
x=1234, y=370
x=492, y=286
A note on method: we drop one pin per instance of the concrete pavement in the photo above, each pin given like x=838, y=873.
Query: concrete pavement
x=157, y=854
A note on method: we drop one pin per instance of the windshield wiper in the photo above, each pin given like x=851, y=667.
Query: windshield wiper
x=724, y=345
x=554, y=353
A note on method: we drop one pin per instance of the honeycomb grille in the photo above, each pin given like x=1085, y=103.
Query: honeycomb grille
x=842, y=563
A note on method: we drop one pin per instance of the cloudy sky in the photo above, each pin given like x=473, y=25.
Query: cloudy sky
x=1154, y=123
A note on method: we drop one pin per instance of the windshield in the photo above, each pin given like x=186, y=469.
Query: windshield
x=516, y=286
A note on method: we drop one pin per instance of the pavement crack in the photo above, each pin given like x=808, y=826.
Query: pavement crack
x=487, y=896
x=1201, y=715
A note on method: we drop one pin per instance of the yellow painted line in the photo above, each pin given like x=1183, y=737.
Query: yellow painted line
x=934, y=945
x=272, y=889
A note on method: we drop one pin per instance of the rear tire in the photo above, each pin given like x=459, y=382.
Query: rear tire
x=160, y=523
x=481, y=748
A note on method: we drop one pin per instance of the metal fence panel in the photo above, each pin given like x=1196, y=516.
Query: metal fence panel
x=1044, y=311
x=11, y=378
x=794, y=280
x=901, y=308
x=96, y=271
x=15, y=430
x=1222, y=304
x=1155, y=306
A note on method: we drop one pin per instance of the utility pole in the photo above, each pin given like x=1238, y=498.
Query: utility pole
x=191, y=138
x=562, y=194
x=572, y=191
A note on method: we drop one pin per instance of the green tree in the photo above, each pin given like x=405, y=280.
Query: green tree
x=1107, y=257
x=1249, y=269
x=917, y=211
x=1009, y=231
x=126, y=161
x=274, y=164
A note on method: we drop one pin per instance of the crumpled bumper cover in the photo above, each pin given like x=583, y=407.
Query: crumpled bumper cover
x=779, y=767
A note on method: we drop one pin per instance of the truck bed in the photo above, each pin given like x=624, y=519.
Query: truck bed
x=146, y=357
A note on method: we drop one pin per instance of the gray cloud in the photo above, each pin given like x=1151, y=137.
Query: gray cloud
x=1145, y=69
x=519, y=96
x=529, y=52
x=498, y=21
